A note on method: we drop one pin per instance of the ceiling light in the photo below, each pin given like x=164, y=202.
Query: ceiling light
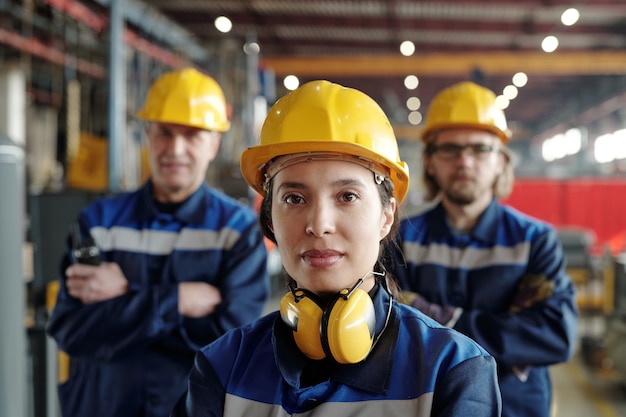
x=549, y=44
x=415, y=118
x=502, y=102
x=570, y=16
x=223, y=24
x=251, y=48
x=411, y=82
x=413, y=103
x=520, y=79
x=291, y=82
x=407, y=48
x=510, y=92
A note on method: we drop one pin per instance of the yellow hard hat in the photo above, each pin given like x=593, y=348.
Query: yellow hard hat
x=321, y=116
x=186, y=97
x=466, y=104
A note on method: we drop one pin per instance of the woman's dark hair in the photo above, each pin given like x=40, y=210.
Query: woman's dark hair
x=385, y=259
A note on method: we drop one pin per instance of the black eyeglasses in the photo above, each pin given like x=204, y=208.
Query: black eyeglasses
x=452, y=151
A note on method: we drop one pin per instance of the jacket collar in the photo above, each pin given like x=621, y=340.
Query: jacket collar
x=486, y=228
x=192, y=210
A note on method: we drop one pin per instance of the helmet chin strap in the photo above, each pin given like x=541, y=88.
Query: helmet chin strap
x=361, y=281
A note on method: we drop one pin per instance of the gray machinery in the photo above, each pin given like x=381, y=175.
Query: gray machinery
x=13, y=398
x=51, y=215
x=615, y=339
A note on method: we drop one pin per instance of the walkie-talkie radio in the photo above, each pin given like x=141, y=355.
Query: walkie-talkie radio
x=83, y=251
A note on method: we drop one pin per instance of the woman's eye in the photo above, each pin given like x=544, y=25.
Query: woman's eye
x=348, y=197
x=293, y=199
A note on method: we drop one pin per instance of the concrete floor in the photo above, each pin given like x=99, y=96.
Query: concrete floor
x=581, y=391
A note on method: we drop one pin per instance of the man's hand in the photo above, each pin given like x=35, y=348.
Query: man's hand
x=197, y=299
x=91, y=284
x=532, y=289
x=446, y=315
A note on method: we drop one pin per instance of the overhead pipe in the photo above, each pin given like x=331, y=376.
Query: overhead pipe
x=37, y=48
x=99, y=22
x=158, y=54
x=453, y=64
x=80, y=12
x=150, y=21
x=585, y=117
x=72, y=8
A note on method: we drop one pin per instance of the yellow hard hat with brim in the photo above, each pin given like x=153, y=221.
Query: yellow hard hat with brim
x=186, y=97
x=324, y=117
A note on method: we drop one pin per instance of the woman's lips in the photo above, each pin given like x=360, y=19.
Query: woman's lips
x=321, y=258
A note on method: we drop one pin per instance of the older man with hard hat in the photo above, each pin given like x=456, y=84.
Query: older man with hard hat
x=182, y=263
x=480, y=267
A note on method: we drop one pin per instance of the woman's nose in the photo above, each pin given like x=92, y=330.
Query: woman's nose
x=320, y=220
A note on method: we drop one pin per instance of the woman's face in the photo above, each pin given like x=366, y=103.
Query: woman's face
x=328, y=220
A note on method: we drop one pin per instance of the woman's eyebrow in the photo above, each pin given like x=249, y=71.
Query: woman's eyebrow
x=291, y=185
x=348, y=181
x=341, y=182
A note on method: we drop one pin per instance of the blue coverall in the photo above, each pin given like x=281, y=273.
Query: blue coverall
x=416, y=369
x=130, y=356
x=481, y=273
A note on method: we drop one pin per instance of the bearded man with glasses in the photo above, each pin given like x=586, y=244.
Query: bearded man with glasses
x=480, y=267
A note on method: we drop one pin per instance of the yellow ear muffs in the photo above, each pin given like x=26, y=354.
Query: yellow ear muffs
x=348, y=326
x=302, y=313
x=343, y=330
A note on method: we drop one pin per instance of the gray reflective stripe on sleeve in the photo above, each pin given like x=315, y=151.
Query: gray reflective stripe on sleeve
x=418, y=407
x=160, y=242
x=447, y=256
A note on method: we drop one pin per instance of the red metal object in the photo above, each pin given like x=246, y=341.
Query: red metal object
x=36, y=47
x=81, y=13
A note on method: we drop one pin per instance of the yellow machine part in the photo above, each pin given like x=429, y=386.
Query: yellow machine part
x=595, y=289
x=145, y=163
x=88, y=170
x=88, y=165
x=63, y=360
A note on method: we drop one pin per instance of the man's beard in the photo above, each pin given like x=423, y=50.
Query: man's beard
x=460, y=198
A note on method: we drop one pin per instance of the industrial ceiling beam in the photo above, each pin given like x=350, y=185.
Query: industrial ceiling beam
x=453, y=64
x=154, y=23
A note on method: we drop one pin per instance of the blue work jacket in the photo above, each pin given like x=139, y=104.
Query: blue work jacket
x=130, y=356
x=417, y=368
x=481, y=273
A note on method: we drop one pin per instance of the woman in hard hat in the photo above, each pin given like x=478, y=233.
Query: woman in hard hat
x=328, y=168
x=480, y=267
x=181, y=264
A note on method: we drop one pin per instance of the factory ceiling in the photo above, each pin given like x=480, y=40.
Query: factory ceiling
x=357, y=43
